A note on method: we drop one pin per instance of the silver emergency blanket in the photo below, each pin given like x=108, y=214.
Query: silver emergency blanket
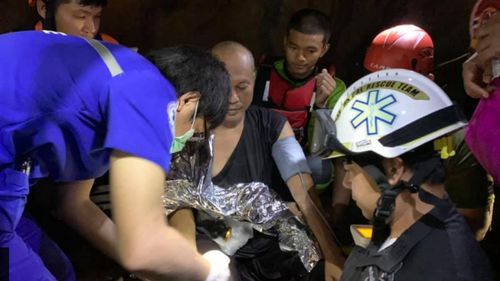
x=189, y=185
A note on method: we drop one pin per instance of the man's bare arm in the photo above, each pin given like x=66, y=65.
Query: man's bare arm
x=76, y=209
x=183, y=221
x=146, y=244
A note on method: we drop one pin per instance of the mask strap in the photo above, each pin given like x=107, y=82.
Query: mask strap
x=195, y=112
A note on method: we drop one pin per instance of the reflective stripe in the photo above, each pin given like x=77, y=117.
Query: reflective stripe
x=54, y=32
x=106, y=55
x=265, y=96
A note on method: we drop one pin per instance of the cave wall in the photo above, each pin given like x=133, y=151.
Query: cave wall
x=260, y=24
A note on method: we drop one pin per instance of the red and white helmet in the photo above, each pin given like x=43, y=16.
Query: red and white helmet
x=404, y=46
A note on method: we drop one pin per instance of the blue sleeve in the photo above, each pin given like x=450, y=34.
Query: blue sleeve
x=140, y=119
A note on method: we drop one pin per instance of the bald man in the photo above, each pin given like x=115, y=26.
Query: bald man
x=250, y=146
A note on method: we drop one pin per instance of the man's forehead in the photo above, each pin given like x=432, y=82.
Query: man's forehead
x=299, y=38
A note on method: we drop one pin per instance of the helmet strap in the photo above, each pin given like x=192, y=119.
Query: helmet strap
x=383, y=212
x=49, y=22
x=385, y=204
x=387, y=201
x=426, y=125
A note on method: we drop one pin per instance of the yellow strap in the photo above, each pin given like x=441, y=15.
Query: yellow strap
x=445, y=147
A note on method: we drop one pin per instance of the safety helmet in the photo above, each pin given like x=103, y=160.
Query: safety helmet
x=403, y=46
x=389, y=112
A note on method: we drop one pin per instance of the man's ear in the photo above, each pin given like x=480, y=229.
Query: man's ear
x=394, y=170
x=188, y=97
x=326, y=47
x=41, y=8
x=431, y=76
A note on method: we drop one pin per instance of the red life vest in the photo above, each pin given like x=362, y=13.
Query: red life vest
x=292, y=102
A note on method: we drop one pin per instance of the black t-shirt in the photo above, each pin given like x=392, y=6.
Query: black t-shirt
x=261, y=257
x=252, y=158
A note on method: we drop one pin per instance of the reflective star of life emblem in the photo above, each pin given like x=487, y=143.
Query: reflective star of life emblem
x=372, y=111
x=171, y=111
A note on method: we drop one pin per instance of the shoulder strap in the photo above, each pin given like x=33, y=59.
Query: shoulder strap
x=263, y=75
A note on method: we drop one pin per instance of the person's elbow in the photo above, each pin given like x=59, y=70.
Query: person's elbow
x=138, y=247
x=134, y=256
x=132, y=260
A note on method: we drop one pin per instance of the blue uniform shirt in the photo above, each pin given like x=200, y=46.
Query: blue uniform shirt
x=63, y=107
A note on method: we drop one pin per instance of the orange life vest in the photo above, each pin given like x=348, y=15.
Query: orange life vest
x=293, y=102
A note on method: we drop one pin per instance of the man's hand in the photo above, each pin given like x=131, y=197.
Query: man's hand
x=476, y=71
x=474, y=76
x=325, y=84
x=331, y=271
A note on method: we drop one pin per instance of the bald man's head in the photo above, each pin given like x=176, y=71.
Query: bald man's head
x=230, y=50
x=239, y=62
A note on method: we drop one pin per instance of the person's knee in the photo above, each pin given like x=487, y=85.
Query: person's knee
x=56, y=260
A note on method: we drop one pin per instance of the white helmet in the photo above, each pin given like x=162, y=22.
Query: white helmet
x=388, y=112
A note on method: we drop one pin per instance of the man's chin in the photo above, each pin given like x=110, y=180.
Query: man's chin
x=299, y=74
x=233, y=118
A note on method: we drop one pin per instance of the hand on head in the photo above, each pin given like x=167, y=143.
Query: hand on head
x=488, y=40
x=476, y=71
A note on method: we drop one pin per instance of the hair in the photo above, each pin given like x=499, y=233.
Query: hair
x=311, y=21
x=100, y=3
x=416, y=159
x=190, y=68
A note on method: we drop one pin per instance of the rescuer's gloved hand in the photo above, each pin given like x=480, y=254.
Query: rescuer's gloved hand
x=219, y=266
